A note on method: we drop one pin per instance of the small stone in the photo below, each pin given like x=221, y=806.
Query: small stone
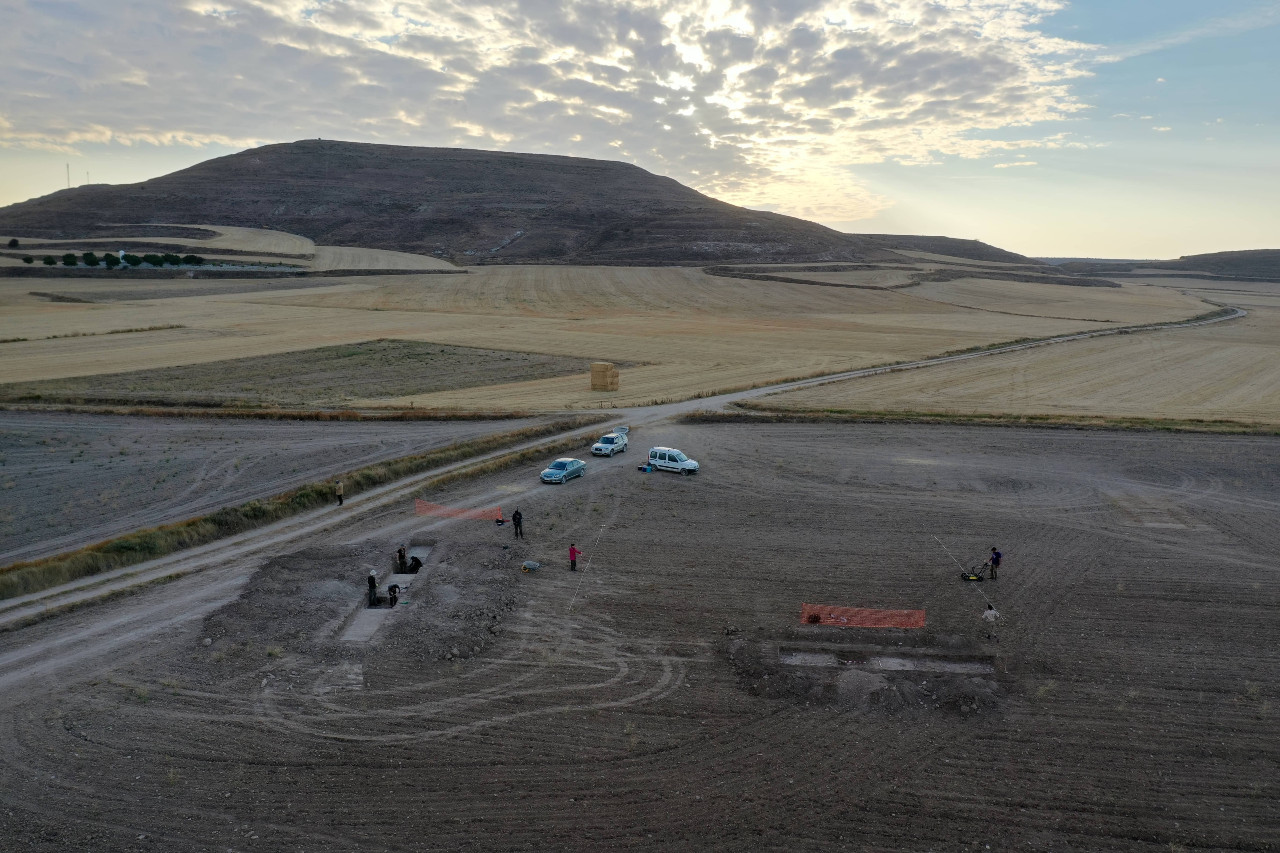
x=208, y=641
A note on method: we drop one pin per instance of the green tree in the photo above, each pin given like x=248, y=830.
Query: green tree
x=193, y=260
x=153, y=259
x=172, y=259
x=133, y=260
x=90, y=259
x=49, y=261
x=28, y=260
x=13, y=242
x=111, y=261
x=69, y=260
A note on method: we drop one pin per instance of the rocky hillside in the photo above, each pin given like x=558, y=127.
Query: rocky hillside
x=469, y=206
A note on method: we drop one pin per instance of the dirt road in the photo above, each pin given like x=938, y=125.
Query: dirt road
x=71, y=480
x=666, y=696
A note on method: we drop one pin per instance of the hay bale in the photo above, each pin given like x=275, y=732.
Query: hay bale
x=604, y=376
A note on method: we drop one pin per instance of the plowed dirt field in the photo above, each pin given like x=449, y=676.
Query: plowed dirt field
x=72, y=480
x=667, y=696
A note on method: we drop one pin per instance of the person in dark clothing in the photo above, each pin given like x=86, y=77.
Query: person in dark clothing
x=337, y=489
x=414, y=565
x=373, y=588
x=401, y=559
x=517, y=521
x=993, y=562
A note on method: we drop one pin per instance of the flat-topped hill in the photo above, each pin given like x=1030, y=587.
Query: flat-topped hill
x=465, y=205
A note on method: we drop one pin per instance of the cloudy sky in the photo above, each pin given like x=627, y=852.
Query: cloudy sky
x=1104, y=128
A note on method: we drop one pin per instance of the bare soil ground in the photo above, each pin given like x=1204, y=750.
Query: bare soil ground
x=666, y=697
x=327, y=376
x=72, y=480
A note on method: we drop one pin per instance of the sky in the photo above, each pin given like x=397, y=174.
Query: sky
x=1053, y=128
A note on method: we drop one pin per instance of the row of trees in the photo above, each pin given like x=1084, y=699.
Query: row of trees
x=113, y=261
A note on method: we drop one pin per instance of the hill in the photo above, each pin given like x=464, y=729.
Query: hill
x=468, y=206
x=1253, y=264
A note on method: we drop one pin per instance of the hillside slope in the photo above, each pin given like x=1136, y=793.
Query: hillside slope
x=469, y=206
x=1256, y=263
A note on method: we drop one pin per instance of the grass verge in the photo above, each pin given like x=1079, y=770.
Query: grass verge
x=271, y=414
x=33, y=576
x=751, y=412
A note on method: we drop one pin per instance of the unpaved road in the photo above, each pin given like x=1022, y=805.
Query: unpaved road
x=640, y=704
x=69, y=480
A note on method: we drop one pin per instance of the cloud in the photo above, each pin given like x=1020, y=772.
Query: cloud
x=766, y=103
x=1011, y=165
x=1254, y=19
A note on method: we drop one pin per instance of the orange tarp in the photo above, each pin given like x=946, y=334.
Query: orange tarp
x=421, y=507
x=860, y=617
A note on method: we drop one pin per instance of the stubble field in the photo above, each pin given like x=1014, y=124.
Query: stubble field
x=687, y=333
x=668, y=697
x=1228, y=370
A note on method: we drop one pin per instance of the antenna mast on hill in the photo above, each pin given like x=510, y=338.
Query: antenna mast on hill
x=68, y=176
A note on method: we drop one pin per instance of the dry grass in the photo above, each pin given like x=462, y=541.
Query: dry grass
x=351, y=258
x=1130, y=303
x=327, y=376
x=1222, y=371
x=691, y=333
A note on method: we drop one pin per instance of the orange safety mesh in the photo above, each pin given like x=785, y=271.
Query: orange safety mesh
x=421, y=507
x=860, y=617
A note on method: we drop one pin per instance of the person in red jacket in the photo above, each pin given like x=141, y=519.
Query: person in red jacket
x=574, y=554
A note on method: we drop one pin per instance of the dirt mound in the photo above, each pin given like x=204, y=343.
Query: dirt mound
x=293, y=611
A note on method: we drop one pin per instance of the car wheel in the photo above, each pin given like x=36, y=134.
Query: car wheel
x=684, y=472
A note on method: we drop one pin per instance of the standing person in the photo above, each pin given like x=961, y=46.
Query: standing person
x=337, y=490
x=517, y=521
x=993, y=562
x=991, y=616
x=574, y=554
x=373, y=587
x=402, y=560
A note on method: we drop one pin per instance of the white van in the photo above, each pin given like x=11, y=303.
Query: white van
x=670, y=459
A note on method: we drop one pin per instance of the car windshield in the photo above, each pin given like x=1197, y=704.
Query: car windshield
x=559, y=465
x=608, y=439
x=678, y=456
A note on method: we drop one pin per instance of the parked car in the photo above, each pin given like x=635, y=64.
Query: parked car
x=670, y=459
x=563, y=470
x=611, y=443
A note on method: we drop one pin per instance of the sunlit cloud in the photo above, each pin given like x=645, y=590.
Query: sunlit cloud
x=759, y=102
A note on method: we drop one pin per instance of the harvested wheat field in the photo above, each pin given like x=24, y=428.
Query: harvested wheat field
x=1129, y=304
x=683, y=332
x=1228, y=370
x=352, y=258
x=667, y=696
